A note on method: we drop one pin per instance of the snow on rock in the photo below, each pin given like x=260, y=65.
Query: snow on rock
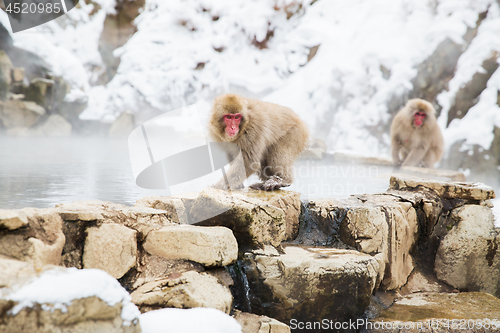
x=496, y=211
x=55, y=289
x=195, y=320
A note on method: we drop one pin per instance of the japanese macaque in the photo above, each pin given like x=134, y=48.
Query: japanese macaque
x=416, y=139
x=269, y=136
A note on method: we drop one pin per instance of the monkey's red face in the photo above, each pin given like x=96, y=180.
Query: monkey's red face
x=419, y=118
x=232, y=123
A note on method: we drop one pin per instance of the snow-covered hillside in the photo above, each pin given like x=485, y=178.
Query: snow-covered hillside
x=369, y=51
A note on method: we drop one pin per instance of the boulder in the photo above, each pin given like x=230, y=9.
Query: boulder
x=468, y=257
x=12, y=219
x=17, y=74
x=209, y=246
x=5, y=78
x=39, y=242
x=438, y=312
x=187, y=290
x=310, y=284
x=253, y=221
x=55, y=125
x=80, y=215
x=381, y=226
x=16, y=113
x=175, y=207
x=445, y=189
x=57, y=299
x=110, y=247
x=122, y=126
x=252, y=323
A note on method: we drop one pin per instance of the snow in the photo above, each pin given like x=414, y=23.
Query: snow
x=190, y=51
x=55, y=289
x=188, y=321
x=496, y=211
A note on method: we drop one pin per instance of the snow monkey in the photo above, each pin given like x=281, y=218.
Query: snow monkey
x=416, y=139
x=269, y=136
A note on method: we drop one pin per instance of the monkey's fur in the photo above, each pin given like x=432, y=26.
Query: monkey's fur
x=270, y=138
x=413, y=145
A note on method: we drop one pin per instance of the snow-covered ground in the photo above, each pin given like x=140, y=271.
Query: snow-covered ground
x=57, y=288
x=339, y=93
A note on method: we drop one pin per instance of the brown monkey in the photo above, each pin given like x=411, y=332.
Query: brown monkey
x=416, y=139
x=269, y=136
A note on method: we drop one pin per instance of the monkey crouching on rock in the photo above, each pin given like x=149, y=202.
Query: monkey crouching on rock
x=269, y=136
x=416, y=139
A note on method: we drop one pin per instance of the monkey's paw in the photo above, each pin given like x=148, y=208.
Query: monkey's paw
x=273, y=183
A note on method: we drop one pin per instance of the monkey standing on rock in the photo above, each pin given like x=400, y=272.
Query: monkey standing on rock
x=416, y=139
x=269, y=136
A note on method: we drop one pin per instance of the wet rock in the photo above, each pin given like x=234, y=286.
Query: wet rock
x=122, y=126
x=48, y=300
x=16, y=113
x=309, y=284
x=56, y=126
x=254, y=222
x=381, y=226
x=12, y=219
x=187, y=290
x=40, y=242
x=448, y=190
x=439, y=312
x=455, y=176
x=5, y=78
x=468, y=257
x=209, y=246
x=110, y=247
x=251, y=323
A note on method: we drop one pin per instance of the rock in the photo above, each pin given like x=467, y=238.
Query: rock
x=448, y=190
x=381, y=226
x=309, y=284
x=468, y=257
x=63, y=300
x=55, y=125
x=421, y=280
x=251, y=323
x=288, y=202
x=80, y=215
x=312, y=154
x=254, y=222
x=122, y=126
x=439, y=312
x=40, y=242
x=12, y=219
x=40, y=91
x=5, y=78
x=174, y=206
x=186, y=290
x=360, y=159
x=15, y=113
x=209, y=246
x=112, y=248
x=455, y=176
x=17, y=74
